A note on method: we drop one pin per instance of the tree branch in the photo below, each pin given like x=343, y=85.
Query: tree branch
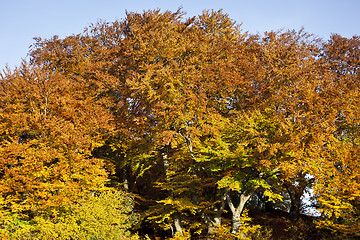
x=230, y=203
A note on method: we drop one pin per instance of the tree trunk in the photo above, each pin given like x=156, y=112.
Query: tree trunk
x=177, y=223
x=217, y=218
x=236, y=223
x=236, y=219
x=126, y=183
x=295, y=205
x=166, y=163
x=214, y=222
x=295, y=194
x=236, y=212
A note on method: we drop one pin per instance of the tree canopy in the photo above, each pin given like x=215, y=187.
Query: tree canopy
x=158, y=125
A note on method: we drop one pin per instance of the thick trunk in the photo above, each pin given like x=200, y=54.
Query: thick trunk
x=236, y=223
x=296, y=191
x=295, y=194
x=295, y=205
x=236, y=211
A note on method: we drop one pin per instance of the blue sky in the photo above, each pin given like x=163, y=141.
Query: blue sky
x=22, y=20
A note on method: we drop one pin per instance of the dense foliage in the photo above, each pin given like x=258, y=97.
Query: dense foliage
x=163, y=126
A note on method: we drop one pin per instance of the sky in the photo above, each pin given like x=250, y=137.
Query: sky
x=22, y=20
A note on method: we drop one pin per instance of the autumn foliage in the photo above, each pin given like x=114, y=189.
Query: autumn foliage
x=182, y=128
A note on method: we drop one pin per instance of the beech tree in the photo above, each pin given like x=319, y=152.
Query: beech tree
x=49, y=126
x=244, y=156
x=171, y=84
x=191, y=115
x=337, y=186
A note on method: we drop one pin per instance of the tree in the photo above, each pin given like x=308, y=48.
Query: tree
x=107, y=215
x=49, y=125
x=244, y=156
x=168, y=86
x=192, y=115
x=338, y=183
x=289, y=81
